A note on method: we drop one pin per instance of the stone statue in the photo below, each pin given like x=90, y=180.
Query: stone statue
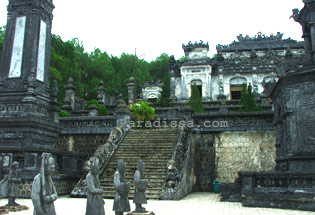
x=95, y=202
x=172, y=177
x=140, y=187
x=43, y=191
x=121, y=201
x=306, y=18
x=13, y=180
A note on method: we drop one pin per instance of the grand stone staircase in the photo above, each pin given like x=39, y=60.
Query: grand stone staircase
x=155, y=147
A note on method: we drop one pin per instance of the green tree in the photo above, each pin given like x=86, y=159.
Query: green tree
x=195, y=101
x=248, y=100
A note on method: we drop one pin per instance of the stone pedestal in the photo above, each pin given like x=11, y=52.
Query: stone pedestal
x=7, y=209
x=146, y=213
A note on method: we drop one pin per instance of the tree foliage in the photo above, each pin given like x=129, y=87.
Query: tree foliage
x=248, y=100
x=143, y=111
x=195, y=101
x=68, y=59
x=102, y=110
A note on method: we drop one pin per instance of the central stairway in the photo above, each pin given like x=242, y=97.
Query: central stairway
x=154, y=147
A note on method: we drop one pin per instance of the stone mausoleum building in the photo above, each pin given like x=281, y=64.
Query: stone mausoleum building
x=251, y=60
x=151, y=90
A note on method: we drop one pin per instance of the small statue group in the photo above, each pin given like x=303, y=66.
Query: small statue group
x=121, y=201
x=44, y=193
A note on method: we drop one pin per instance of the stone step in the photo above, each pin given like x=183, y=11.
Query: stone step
x=154, y=147
x=134, y=163
x=110, y=180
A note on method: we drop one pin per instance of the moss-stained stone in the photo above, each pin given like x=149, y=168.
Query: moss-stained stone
x=243, y=151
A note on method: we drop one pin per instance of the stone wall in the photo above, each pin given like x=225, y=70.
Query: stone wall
x=81, y=143
x=243, y=151
x=204, y=161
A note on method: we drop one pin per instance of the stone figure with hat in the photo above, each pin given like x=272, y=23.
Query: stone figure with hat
x=10, y=184
x=43, y=191
x=140, y=188
x=121, y=201
x=95, y=202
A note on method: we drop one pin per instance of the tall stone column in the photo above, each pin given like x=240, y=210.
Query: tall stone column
x=28, y=124
x=101, y=96
x=122, y=114
x=69, y=100
x=131, y=95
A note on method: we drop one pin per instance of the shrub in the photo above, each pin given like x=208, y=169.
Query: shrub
x=102, y=110
x=248, y=100
x=195, y=101
x=63, y=113
x=143, y=111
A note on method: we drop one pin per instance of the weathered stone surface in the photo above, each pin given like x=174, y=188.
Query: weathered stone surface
x=240, y=151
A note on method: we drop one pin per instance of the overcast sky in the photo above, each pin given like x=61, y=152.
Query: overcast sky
x=158, y=26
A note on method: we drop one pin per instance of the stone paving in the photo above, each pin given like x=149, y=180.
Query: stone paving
x=193, y=204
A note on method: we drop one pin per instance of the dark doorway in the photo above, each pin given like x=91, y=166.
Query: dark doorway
x=199, y=87
x=235, y=91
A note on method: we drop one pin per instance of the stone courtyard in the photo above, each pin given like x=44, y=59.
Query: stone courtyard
x=194, y=203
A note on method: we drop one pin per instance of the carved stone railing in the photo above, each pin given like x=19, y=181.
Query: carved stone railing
x=285, y=188
x=237, y=121
x=87, y=125
x=178, y=181
x=104, y=154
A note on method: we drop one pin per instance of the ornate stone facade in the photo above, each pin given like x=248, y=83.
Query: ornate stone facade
x=151, y=90
x=251, y=60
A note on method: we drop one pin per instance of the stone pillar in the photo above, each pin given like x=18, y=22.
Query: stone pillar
x=93, y=110
x=186, y=112
x=70, y=96
x=131, y=95
x=172, y=73
x=122, y=114
x=28, y=121
x=54, y=103
x=101, y=96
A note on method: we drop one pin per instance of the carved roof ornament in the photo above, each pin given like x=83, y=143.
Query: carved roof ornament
x=260, y=41
x=191, y=45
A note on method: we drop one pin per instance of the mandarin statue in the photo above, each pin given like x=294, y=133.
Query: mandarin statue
x=95, y=202
x=43, y=190
x=140, y=188
x=13, y=183
x=306, y=18
x=9, y=185
x=121, y=201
